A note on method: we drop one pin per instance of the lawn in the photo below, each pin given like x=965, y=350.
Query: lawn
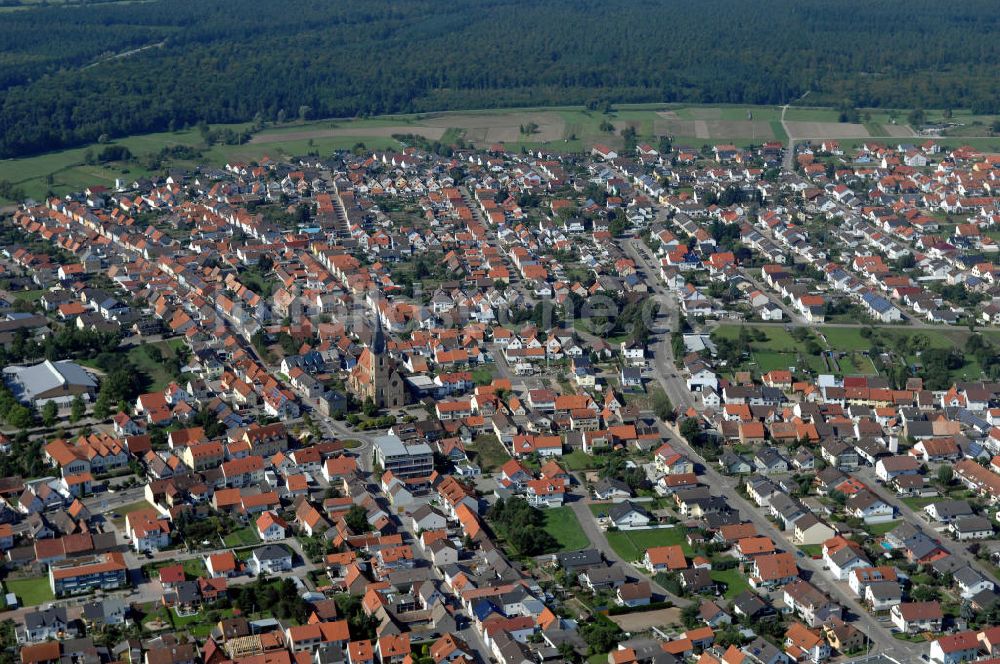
x=781, y=351
x=561, y=523
x=124, y=510
x=32, y=591
x=243, y=537
x=632, y=544
x=580, y=460
x=158, y=372
x=600, y=509
x=193, y=567
x=490, y=454
x=811, y=549
x=735, y=582
x=878, y=529
x=30, y=295
x=918, y=504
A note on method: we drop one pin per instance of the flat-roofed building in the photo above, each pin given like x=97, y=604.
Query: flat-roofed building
x=404, y=460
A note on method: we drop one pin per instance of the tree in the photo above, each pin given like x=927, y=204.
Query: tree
x=662, y=407
x=567, y=653
x=102, y=407
x=690, y=429
x=50, y=413
x=690, y=615
x=357, y=519
x=601, y=635
x=79, y=409
x=945, y=474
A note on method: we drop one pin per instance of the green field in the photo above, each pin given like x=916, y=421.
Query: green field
x=31, y=592
x=193, y=567
x=243, y=537
x=489, y=453
x=565, y=129
x=632, y=544
x=124, y=510
x=561, y=523
x=781, y=351
x=735, y=582
x=918, y=504
x=877, y=529
x=579, y=460
x=158, y=373
x=31, y=295
x=600, y=509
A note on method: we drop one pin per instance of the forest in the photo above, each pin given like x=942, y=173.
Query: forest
x=71, y=75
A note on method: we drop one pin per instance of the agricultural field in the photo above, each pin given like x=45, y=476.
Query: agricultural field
x=565, y=129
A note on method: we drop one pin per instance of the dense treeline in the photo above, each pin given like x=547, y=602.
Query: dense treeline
x=240, y=60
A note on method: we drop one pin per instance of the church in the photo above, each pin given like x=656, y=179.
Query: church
x=375, y=375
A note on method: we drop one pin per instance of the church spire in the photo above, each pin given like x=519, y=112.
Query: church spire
x=378, y=337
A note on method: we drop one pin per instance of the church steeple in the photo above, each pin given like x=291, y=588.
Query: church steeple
x=378, y=337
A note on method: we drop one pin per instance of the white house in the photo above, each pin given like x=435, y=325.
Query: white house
x=270, y=527
x=270, y=559
x=629, y=516
x=955, y=648
x=914, y=617
x=869, y=508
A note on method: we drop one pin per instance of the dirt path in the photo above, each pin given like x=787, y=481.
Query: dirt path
x=125, y=54
x=431, y=133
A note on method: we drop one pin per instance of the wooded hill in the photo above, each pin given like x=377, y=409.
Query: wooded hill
x=224, y=61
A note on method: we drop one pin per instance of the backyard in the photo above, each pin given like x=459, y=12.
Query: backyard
x=243, y=537
x=31, y=591
x=879, y=529
x=632, y=544
x=735, y=581
x=125, y=510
